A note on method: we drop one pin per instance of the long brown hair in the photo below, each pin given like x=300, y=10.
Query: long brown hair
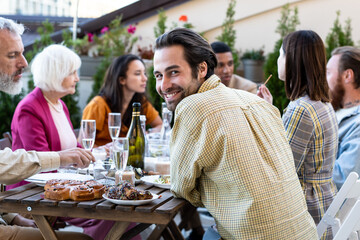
x=113, y=91
x=305, y=67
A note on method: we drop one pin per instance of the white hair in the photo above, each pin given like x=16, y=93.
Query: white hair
x=12, y=26
x=52, y=65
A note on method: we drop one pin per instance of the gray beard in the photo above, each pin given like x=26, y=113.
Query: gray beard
x=8, y=85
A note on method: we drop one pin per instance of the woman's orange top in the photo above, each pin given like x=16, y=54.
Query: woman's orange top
x=99, y=110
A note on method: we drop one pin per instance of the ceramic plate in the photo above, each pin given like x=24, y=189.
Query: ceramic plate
x=152, y=180
x=42, y=178
x=131, y=202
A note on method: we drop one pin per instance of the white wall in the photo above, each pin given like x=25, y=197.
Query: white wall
x=256, y=20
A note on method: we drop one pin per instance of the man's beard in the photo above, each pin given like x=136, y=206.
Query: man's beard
x=8, y=85
x=338, y=95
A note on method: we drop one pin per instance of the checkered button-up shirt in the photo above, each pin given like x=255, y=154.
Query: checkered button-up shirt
x=312, y=131
x=229, y=153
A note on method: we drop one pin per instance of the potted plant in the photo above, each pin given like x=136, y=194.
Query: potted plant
x=253, y=61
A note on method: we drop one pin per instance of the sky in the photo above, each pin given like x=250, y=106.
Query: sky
x=97, y=8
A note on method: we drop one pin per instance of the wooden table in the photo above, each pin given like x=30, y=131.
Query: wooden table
x=29, y=199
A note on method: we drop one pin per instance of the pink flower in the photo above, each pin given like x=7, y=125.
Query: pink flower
x=183, y=18
x=90, y=37
x=131, y=29
x=104, y=30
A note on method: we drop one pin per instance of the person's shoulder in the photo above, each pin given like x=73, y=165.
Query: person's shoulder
x=31, y=100
x=244, y=80
x=97, y=101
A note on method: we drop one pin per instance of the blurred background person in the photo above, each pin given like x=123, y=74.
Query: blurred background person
x=124, y=83
x=343, y=76
x=309, y=119
x=41, y=120
x=225, y=69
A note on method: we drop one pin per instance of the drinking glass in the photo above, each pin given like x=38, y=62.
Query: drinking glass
x=166, y=117
x=88, y=131
x=120, y=154
x=114, y=122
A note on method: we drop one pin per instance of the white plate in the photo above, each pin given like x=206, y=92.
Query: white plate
x=131, y=202
x=42, y=178
x=151, y=179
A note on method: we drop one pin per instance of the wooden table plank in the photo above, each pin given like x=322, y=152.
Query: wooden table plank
x=68, y=203
x=166, y=196
x=125, y=208
x=16, y=190
x=21, y=195
x=172, y=206
x=33, y=199
x=48, y=202
x=90, y=204
x=106, y=205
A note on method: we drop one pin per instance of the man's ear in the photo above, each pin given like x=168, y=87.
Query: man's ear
x=348, y=76
x=203, y=69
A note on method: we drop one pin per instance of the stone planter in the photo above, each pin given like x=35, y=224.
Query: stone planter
x=89, y=65
x=253, y=70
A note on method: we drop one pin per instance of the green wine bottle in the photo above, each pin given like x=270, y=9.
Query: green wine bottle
x=136, y=139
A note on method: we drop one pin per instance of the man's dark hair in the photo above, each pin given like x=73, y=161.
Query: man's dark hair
x=305, y=66
x=220, y=47
x=196, y=48
x=349, y=59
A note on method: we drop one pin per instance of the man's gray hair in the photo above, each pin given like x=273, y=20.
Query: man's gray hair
x=11, y=26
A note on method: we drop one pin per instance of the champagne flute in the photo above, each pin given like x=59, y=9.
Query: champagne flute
x=88, y=131
x=114, y=122
x=121, y=154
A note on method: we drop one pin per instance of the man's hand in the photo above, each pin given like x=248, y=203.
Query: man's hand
x=76, y=157
x=21, y=221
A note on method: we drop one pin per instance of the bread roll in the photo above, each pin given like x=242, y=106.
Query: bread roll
x=81, y=193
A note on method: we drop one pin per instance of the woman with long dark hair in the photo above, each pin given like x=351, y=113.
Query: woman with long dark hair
x=309, y=119
x=124, y=84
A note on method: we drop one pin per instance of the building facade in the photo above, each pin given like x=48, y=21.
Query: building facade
x=60, y=8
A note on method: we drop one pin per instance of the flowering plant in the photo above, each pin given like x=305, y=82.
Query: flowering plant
x=113, y=40
x=184, y=22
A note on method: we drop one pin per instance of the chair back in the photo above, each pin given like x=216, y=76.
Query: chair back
x=8, y=135
x=4, y=143
x=343, y=214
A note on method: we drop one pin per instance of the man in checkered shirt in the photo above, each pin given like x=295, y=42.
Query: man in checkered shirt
x=229, y=151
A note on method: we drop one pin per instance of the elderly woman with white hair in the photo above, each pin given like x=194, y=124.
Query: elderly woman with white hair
x=41, y=120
